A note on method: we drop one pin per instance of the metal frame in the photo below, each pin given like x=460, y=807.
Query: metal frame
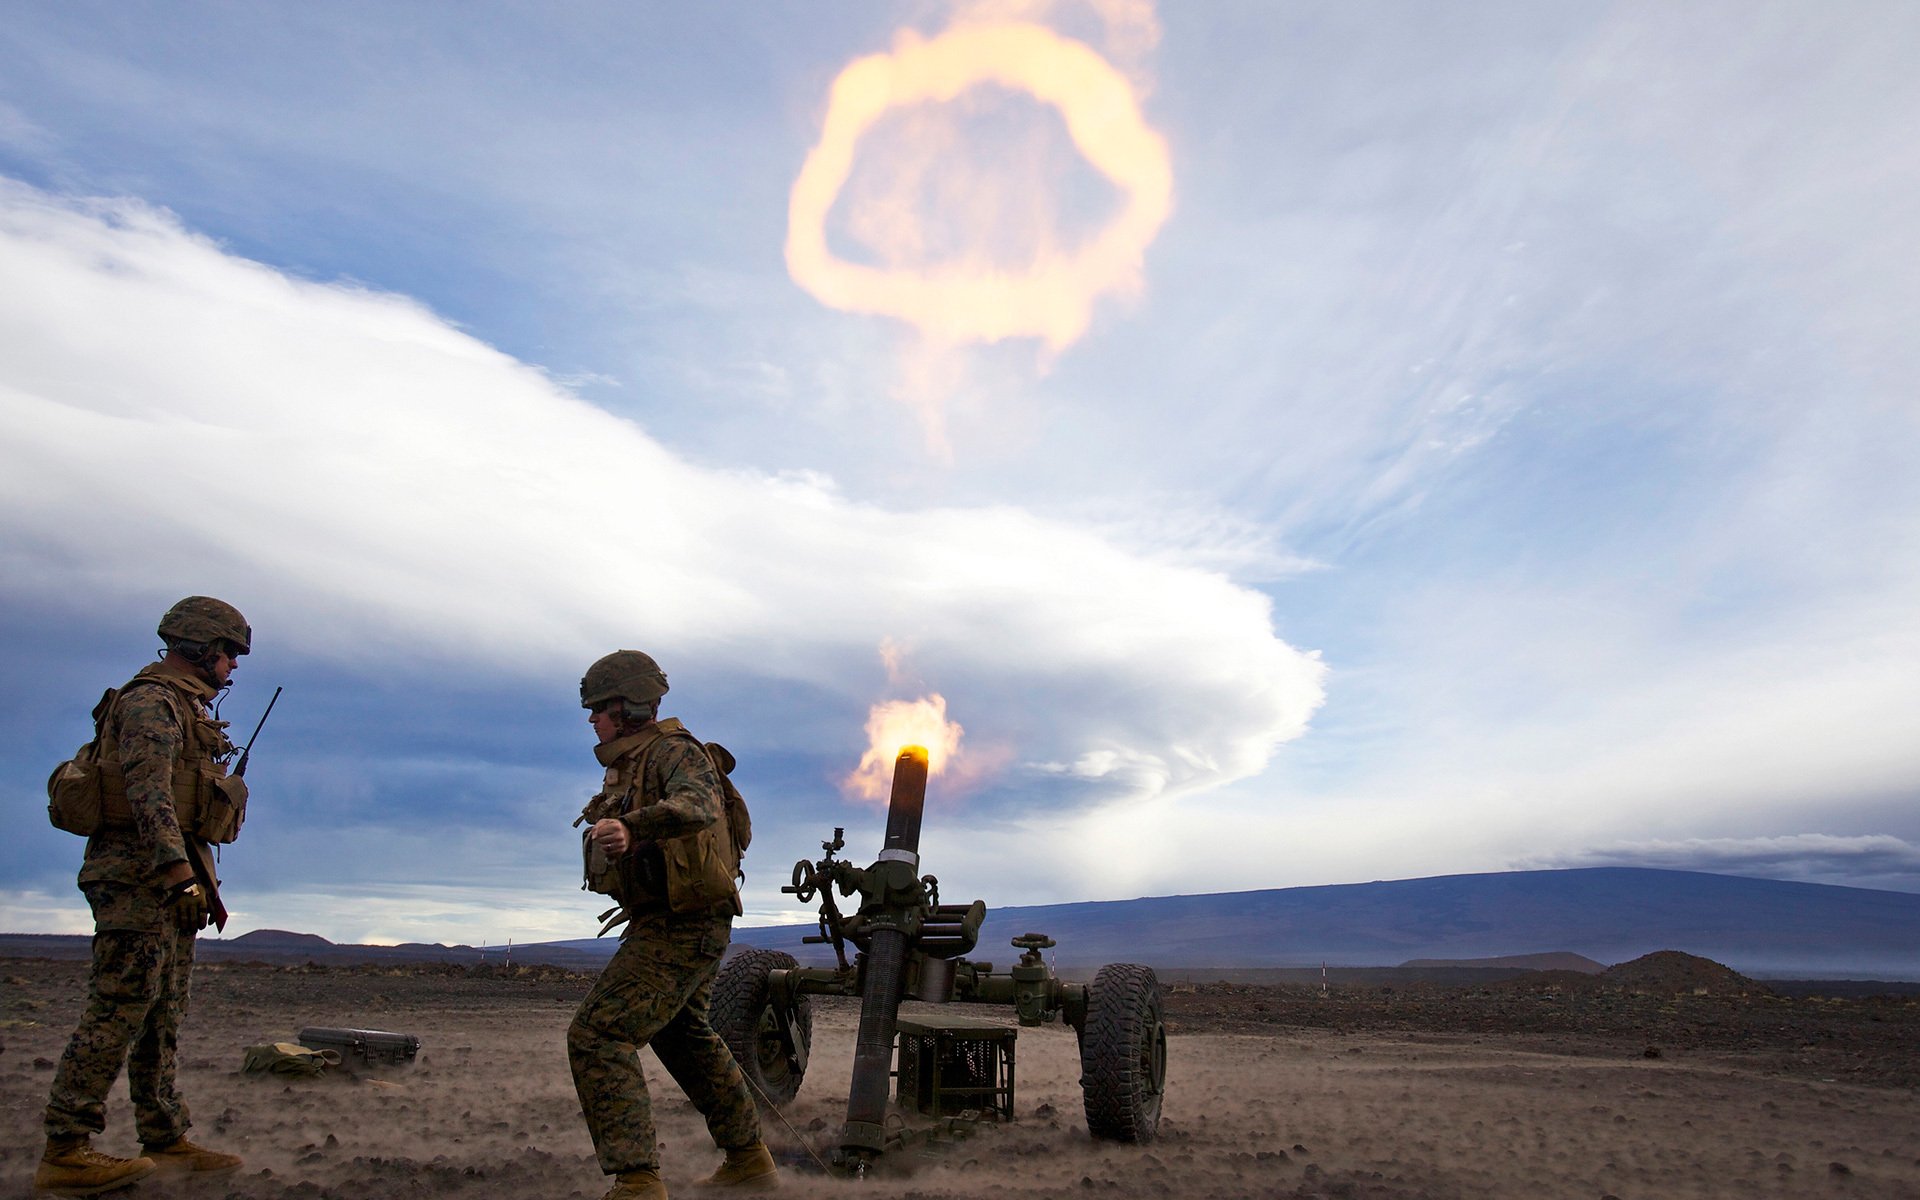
x=951, y=1065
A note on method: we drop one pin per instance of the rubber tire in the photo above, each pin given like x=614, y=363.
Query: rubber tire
x=742, y=1015
x=1123, y=1054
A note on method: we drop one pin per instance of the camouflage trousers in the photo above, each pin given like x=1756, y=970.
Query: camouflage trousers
x=655, y=992
x=136, y=999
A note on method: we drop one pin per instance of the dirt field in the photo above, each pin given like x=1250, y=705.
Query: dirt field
x=1561, y=1088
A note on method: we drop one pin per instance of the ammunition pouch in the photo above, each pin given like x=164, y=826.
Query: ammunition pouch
x=700, y=869
x=225, y=810
x=599, y=871
x=87, y=793
x=690, y=874
x=86, y=796
x=643, y=878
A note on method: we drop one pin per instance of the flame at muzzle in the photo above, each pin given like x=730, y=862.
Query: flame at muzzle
x=900, y=727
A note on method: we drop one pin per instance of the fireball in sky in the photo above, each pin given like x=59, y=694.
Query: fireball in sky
x=962, y=301
x=978, y=237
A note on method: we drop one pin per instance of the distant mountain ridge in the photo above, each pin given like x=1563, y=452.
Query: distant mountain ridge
x=1523, y=962
x=278, y=946
x=1571, y=919
x=1606, y=914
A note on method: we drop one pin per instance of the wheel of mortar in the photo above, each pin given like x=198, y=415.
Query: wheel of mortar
x=743, y=1016
x=1123, y=1054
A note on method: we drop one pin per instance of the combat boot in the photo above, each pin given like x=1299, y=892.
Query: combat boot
x=182, y=1157
x=640, y=1184
x=72, y=1167
x=749, y=1167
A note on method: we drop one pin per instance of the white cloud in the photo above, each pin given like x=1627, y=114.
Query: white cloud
x=36, y=911
x=442, y=911
x=1515, y=731
x=359, y=473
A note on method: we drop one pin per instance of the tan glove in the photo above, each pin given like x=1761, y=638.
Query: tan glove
x=190, y=909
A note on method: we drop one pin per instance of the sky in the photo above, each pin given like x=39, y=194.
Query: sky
x=1281, y=443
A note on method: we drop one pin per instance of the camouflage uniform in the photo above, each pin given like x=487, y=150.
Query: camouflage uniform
x=142, y=959
x=657, y=988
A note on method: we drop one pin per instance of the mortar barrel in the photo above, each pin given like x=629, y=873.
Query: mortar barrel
x=866, y=1127
x=883, y=981
x=909, y=801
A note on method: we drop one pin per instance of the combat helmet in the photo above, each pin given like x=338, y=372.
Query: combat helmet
x=202, y=620
x=623, y=675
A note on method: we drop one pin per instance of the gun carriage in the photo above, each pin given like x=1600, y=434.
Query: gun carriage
x=908, y=945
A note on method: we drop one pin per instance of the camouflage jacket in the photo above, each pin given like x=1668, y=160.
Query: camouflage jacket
x=145, y=728
x=661, y=784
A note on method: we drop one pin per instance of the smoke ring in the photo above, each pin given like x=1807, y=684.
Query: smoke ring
x=1053, y=299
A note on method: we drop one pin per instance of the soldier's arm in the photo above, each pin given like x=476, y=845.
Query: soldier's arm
x=692, y=798
x=150, y=741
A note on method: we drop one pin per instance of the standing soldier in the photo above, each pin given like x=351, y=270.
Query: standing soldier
x=663, y=841
x=149, y=901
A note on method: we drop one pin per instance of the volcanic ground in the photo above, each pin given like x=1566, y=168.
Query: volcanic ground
x=1667, y=1077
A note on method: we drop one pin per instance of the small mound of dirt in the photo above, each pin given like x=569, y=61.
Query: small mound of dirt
x=1675, y=973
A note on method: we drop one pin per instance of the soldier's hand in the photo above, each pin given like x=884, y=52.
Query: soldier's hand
x=613, y=837
x=190, y=909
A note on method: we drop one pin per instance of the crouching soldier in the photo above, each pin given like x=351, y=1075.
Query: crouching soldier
x=664, y=840
x=159, y=745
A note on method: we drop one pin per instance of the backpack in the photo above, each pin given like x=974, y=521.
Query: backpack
x=739, y=821
x=76, y=800
x=287, y=1058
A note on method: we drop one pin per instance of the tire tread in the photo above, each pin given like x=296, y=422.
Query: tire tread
x=1122, y=1002
x=739, y=997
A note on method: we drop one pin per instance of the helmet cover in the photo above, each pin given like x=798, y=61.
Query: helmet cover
x=206, y=620
x=623, y=675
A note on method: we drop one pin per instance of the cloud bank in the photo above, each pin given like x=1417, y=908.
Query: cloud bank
x=1810, y=856
x=363, y=476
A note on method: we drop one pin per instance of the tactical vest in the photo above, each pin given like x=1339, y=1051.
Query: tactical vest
x=689, y=874
x=88, y=793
